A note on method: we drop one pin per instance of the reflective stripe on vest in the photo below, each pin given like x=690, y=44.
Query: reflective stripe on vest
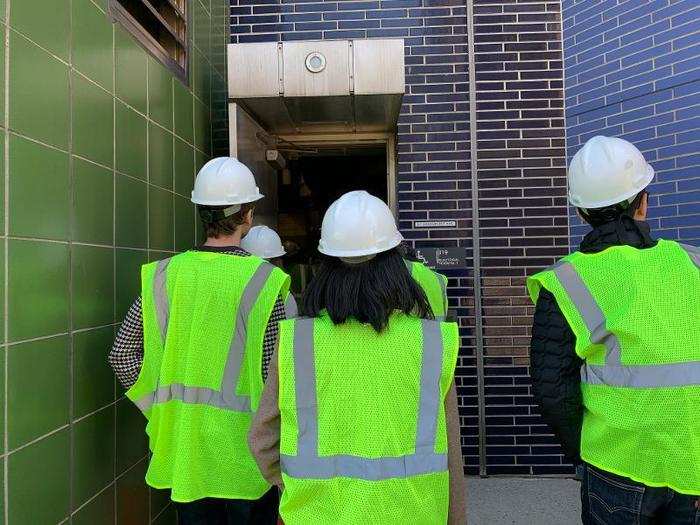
x=307, y=464
x=290, y=307
x=441, y=283
x=613, y=372
x=160, y=297
x=694, y=253
x=226, y=396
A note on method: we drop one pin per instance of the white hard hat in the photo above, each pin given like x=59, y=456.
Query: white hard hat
x=356, y=225
x=605, y=171
x=263, y=242
x=224, y=181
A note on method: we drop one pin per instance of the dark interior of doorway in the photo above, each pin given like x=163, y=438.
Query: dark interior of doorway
x=315, y=178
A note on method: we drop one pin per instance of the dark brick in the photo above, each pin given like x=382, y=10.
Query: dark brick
x=520, y=167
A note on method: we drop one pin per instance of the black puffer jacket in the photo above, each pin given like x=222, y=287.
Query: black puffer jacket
x=555, y=367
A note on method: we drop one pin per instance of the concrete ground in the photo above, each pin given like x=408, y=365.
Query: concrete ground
x=523, y=501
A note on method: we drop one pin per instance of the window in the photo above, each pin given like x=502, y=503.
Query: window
x=160, y=26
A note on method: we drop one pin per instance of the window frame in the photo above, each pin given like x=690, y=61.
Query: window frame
x=118, y=14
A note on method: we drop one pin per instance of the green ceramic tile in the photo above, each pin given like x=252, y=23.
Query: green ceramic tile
x=33, y=412
x=155, y=255
x=132, y=442
x=132, y=70
x=160, y=94
x=38, y=170
x=39, y=481
x=132, y=220
x=2, y=404
x=2, y=482
x=202, y=127
x=93, y=202
x=92, y=43
x=2, y=64
x=98, y=511
x=129, y=264
x=93, y=286
x=184, y=224
x=166, y=517
x=2, y=293
x=93, y=121
x=38, y=289
x=202, y=26
x=93, y=378
x=184, y=168
x=200, y=159
x=47, y=23
x=201, y=77
x=2, y=181
x=131, y=142
x=160, y=499
x=132, y=497
x=38, y=87
x=160, y=219
x=93, y=453
x=160, y=156
x=183, y=112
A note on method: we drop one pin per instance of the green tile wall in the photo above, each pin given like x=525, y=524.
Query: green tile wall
x=100, y=146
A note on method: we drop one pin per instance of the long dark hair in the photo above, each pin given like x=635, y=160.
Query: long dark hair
x=369, y=292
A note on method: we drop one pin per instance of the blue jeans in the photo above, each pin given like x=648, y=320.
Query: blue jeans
x=608, y=499
x=212, y=511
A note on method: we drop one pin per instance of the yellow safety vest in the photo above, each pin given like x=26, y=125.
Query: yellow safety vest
x=204, y=319
x=363, y=430
x=636, y=317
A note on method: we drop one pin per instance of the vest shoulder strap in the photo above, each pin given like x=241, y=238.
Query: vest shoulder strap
x=693, y=252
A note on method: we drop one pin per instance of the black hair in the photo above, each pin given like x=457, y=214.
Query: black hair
x=369, y=292
x=599, y=216
x=408, y=252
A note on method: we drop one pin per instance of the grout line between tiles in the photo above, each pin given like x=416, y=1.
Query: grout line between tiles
x=6, y=258
x=114, y=240
x=71, y=322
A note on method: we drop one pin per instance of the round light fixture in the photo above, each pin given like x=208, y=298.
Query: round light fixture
x=315, y=62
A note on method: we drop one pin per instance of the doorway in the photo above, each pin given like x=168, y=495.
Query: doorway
x=317, y=175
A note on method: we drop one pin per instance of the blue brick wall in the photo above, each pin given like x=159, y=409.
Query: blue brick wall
x=520, y=171
x=632, y=69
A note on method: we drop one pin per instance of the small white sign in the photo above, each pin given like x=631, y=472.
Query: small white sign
x=435, y=224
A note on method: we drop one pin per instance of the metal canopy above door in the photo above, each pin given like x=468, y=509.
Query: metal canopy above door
x=319, y=86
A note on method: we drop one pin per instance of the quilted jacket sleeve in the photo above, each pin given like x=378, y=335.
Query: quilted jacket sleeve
x=555, y=371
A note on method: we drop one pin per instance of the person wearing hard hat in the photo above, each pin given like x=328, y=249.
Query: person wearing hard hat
x=265, y=243
x=358, y=421
x=616, y=348
x=193, y=354
x=434, y=284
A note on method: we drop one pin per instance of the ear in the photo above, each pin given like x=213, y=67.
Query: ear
x=641, y=213
x=248, y=220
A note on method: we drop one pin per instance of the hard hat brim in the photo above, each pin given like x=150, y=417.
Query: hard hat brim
x=385, y=247
x=226, y=202
x=648, y=178
x=274, y=255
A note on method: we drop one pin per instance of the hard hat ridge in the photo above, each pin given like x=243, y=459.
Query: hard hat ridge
x=224, y=181
x=358, y=225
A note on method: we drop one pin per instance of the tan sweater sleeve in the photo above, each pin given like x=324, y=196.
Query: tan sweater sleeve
x=264, y=434
x=458, y=485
